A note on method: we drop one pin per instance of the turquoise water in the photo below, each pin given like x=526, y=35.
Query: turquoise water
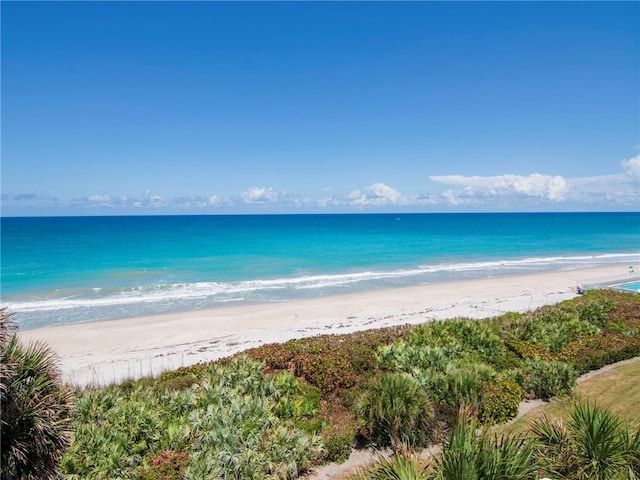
x=75, y=269
x=634, y=287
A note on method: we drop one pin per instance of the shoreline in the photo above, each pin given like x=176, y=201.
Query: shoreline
x=104, y=352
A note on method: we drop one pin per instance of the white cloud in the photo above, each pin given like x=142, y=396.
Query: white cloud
x=100, y=200
x=534, y=185
x=269, y=196
x=260, y=195
x=507, y=192
x=377, y=194
x=387, y=194
x=39, y=197
x=146, y=200
x=632, y=166
x=613, y=191
x=151, y=200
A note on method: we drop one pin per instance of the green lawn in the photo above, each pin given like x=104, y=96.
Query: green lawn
x=617, y=390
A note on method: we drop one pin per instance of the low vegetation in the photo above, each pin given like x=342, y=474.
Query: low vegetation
x=277, y=410
x=593, y=444
x=234, y=422
x=35, y=424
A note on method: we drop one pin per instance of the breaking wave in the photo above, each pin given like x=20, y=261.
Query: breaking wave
x=80, y=305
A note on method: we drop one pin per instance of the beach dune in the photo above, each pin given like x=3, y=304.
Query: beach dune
x=107, y=351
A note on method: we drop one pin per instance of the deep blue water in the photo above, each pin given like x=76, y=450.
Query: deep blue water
x=73, y=269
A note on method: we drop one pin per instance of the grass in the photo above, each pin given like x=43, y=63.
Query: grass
x=617, y=390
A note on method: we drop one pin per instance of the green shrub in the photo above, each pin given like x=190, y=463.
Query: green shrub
x=330, y=373
x=35, y=423
x=593, y=352
x=234, y=422
x=436, y=384
x=595, y=312
x=593, y=444
x=299, y=402
x=331, y=362
x=500, y=401
x=446, y=358
x=395, y=411
x=465, y=384
x=399, y=466
x=468, y=455
x=114, y=432
x=458, y=384
x=237, y=433
x=545, y=380
x=181, y=378
x=551, y=328
x=167, y=465
x=527, y=350
x=474, y=338
x=406, y=357
x=338, y=440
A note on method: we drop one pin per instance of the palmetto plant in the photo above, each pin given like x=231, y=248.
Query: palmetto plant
x=226, y=425
x=470, y=336
x=35, y=422
x=472, y=455
x=396, y=411
x=593, y=444
x=400, y=466
x=545, y=379
x=238, y=435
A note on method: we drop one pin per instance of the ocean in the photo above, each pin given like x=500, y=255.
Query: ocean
x=60, y=270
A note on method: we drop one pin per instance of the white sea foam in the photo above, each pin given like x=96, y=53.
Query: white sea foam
x=156, y=298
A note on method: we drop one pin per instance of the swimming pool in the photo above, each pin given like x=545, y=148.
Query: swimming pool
x=634, y=287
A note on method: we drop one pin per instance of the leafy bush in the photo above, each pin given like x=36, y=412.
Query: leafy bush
x=35, y=414
x=446, y=358
x=473, y=338
x=500, y=401
x=595, y=312
x=339, y=432
x=114, y=433
x=330, y=373
x=399, y=466
x=527, y=350
x=332, y=363
x=235, y=422
x=403, y=356
x=593, y=443
x=542, y=379
x=168, y=465
x=551, y=328
x=396, y=411
x=593, y=352
x=467, y=455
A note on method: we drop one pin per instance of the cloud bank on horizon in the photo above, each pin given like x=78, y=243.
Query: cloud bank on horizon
x=535, y=192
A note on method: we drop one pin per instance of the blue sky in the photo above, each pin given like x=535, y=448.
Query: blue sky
x=292, y=107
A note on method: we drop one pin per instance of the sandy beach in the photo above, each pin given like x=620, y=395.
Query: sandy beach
x=103, y=352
